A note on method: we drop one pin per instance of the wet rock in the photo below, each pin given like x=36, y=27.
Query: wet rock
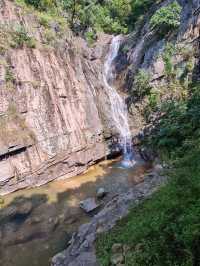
x=8, y=212
x=147, y=154
x=89, y=205
x=101, y=192
x=117, y=258
x=34, y=220
x=25, y=208
x=71, y=220
x=53, y=222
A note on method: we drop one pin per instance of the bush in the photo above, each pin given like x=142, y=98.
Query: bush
x=180, y=123
x=44, y=19
x=138, y=9
x=167, y=18
x=169, y=52
x=9, y=76
x=49, y=36
x=141, y=84
x=42, y=5
x=90, y=37
x=20, y=37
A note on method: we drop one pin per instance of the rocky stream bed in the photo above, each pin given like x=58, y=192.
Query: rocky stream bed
x=36, y=224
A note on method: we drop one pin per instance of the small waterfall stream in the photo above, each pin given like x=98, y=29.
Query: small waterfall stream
x=119, y=110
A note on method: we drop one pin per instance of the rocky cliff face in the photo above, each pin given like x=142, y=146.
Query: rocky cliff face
x=144, y=48
x=53, y=107
x=141, y=49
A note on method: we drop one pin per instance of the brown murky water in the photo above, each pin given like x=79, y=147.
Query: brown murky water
x=37, y=223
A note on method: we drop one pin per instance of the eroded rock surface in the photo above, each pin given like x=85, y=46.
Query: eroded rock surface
x=53, y=106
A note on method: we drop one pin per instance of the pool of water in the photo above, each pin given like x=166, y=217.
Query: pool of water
x=37, y=223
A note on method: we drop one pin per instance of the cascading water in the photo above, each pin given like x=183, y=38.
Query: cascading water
x=118, y=107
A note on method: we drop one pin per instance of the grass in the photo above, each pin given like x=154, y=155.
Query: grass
x=166, y=227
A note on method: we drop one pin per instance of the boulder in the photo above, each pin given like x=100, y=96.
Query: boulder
x=89, y=205
x=117, y=258
x=126, y=248
x=117, y=248
x=101, y=193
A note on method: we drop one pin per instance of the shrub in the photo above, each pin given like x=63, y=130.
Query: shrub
x=167, y=18
x=141, y=84
x=169, y=52
x=49, y=36
x=44, y=19
x=179, y=123
x=20, y=37
x=42, y=5
x=9, y=76
x=90, y=37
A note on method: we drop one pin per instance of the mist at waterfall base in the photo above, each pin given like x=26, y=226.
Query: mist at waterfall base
x=119, y=112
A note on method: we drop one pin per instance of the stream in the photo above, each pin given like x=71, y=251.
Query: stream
x=37, y=223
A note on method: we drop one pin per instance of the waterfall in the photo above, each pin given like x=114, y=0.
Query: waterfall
x=119, y=110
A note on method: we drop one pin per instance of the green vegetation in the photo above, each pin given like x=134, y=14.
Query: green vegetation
x=166, y=227
x=20, y=38
x=167, y=18
x=42, y=5
x=16, y=36
x=114, y=16
x=9, y=76
x=141, y=84
x=179, y=125
x=164, y=230
x=169, y=52
x=86, y=18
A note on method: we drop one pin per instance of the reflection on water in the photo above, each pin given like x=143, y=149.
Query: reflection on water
x=37, y=223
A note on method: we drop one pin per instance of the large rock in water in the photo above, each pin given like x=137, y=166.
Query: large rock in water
x=60, y=106
x=89, y=205
x=101, y=192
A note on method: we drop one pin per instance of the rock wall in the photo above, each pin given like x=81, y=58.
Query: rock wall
x=143, y=46
x=53, y=107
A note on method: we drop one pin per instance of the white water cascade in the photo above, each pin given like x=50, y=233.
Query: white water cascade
x=119, y=110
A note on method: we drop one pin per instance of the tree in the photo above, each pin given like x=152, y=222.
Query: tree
x=166, y=18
